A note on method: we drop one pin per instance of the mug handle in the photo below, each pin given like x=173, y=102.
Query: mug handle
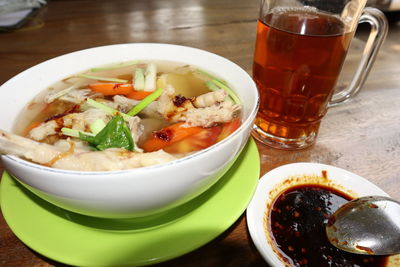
x=379, y=29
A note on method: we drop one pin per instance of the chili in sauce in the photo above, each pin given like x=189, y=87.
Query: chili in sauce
x=297, y=225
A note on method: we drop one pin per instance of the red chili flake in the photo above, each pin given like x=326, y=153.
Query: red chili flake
x=117, y=85
x=324, y=174
x=179, y=100
x=164, y=135
x=60, y=122
x=54, y=117
x=373, y=206
x=296, y=214
x=74, y=109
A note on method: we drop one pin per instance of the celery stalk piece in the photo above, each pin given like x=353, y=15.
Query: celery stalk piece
x=145, y=102
x=106, y=108
x=97, y=126
x=216, y=84
x=212, y=86
x=228, y=90
x=102, y=78
x=53, y=96
x=139, y=79
x=209, y=75
x=150, y=77
x=115, y=66
x=74, y=133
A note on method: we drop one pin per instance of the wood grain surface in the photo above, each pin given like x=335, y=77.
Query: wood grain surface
x=362, y=136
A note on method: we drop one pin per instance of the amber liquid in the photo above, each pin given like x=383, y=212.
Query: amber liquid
x=298, y=57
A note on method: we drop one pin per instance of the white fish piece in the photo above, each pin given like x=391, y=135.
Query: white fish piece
x=26, y=148
x=76, y=159
x=204, y=110
x=43, y=130
x=207, y=116
x=53, y=95
x=79, y=96
x=81, y=121
x=210, y=99
x=136, y=127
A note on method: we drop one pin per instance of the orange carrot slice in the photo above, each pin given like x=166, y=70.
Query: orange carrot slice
x=169, y=135
x=228, y=128
x=112, y=88
x=138, y=95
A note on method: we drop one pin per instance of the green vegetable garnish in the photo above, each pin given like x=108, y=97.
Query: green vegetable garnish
x=150, y=77
x=212, y=86
x=216, y=84
x=139, y=79
x=145, y=102
x=106, y=108
x=115, y=66
x=115, y=134
x=97, y=126
x=102, y=78
x=74, y=133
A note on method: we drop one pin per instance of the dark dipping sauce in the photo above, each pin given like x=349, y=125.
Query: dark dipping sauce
x=297, y=222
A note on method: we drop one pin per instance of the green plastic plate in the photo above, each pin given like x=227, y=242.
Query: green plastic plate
x=80, y=240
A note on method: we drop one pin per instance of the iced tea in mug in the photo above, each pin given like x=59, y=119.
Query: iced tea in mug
x=298, y=56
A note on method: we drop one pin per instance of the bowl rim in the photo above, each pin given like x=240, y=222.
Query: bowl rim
x=258, y=204
x=249, y=120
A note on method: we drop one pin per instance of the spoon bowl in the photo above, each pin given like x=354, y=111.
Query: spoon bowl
x=367, y=225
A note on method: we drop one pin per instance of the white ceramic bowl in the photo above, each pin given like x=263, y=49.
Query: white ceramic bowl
x=286, y=176
x=136, y=192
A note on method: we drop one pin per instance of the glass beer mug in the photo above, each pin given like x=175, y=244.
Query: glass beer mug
x=300, y=49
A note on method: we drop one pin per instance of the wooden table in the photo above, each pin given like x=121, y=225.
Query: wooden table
x=362, y=136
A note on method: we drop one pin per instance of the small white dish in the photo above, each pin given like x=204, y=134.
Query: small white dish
x=279, y=179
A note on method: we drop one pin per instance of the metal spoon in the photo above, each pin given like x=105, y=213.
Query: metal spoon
x=367, y=225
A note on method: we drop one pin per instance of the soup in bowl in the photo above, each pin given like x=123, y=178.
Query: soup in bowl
x=125, y=130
